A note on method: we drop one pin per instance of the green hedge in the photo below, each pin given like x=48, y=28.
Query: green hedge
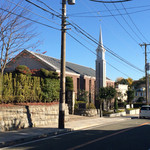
x=51, y=90
x=20, y=88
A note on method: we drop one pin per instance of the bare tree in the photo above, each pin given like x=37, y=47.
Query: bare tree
x=15, y=31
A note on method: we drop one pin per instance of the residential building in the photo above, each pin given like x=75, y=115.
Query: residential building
x=122, y=91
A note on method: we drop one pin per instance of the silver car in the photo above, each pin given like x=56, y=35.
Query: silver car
x=144, y=111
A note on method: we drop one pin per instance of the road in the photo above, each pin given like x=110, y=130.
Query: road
x=133, y=134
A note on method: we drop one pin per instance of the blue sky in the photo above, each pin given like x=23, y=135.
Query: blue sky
x=117, y=35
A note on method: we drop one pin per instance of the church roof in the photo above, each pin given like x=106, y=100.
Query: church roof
x=70, y=67
x=55, y=63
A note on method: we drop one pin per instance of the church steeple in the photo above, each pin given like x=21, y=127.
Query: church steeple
x=100, y=64
x=100, y=49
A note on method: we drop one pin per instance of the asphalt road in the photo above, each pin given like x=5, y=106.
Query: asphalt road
x=133, y=134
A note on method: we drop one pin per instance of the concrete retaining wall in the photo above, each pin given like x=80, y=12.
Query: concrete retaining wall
x=86, y=112
x=133, y=112
x=117, y=114
x=16, y=117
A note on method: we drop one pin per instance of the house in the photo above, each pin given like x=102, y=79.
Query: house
x=122, y=90
x=140, y=92
x=83, y=77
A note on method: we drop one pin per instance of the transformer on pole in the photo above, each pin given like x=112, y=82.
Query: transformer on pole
x=71, y=2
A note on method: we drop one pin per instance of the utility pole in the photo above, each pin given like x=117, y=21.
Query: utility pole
x=63, y=65
x=146, y=86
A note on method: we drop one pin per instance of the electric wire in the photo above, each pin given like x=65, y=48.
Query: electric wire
x=95, y=53
x=106, y=48
x=42, y=8
x=133, y=22
x=49, y=7
x=96, y=47
x=30, y=19
x=103, y=16
x=121, y=25
x=127, y=23
x=32, y=12
x=77, y=29
x=116, y=1
x=71, y=14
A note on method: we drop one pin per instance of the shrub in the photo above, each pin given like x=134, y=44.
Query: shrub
x=69, y=84
x=49, y=74
x=90, y=106
x=82, y=95
x=23, y=69
x=50, y=90
x=116, y=104
x=140, y=99
x=53, y=75
x=7, y=91
x=45, y=72
x=77, y=103
x=20, y=88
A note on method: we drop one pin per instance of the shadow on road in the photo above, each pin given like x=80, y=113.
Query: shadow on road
x=109, y=137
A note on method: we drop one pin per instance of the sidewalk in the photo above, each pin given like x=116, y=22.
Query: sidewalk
x=75, y=123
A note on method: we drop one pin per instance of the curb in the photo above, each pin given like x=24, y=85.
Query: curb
x=27, y=139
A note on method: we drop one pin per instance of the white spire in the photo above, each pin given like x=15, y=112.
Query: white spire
x=100, y=49
x=100, y=38
x=100, y=64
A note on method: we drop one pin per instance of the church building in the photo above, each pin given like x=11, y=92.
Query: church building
x=84, y=78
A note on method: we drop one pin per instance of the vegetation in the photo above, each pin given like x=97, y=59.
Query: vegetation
x=140, y=99
x=69, y=84
x=82, y=96
x=23, y=69
x=130, y=94
x=15, y=32
x=51, y=90
x=83, y=105
x=116, y=105
x=49, y=74
x=90, y=106
x=107, y=94
x=127, y=81
x=77, y=103
x=20, y=87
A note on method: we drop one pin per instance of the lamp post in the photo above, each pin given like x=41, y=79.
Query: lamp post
x=63, y=65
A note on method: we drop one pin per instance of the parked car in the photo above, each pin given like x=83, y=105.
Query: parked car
x=144, y=111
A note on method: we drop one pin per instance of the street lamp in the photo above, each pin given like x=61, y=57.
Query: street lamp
x=63, y=65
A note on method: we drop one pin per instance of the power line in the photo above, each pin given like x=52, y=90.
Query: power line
x=116, y=1
x=91, y=38
x=71, y=14
x=42, y=8
x=30, y=19
x=110, y=51
x=133, y=22
x=49, y=7
x=120, y=24
x=95, y=53
x=127, y=23
x=32, y=12
x=95, y=47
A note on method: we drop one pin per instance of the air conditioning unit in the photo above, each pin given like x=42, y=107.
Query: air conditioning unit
x=71, y=2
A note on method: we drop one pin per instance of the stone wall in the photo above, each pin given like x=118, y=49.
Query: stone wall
x=17, y=117
x=86, y=112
